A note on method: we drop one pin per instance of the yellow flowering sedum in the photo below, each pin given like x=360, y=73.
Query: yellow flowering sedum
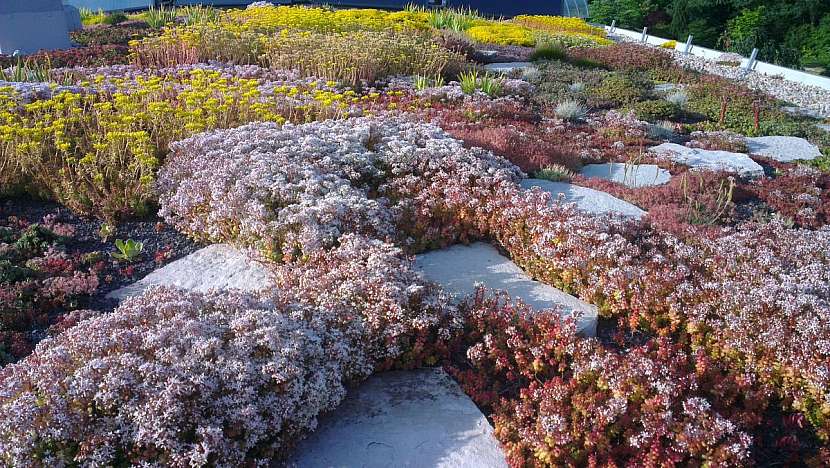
x=97, y=152
x=503, y=34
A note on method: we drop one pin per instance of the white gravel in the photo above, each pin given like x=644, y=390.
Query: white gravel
x=812, y=98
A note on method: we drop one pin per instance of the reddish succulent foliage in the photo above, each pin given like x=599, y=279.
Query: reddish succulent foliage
x=38, y=280
x=630, y=57
x=92, y=56
x=799, y=193
x=534, y=142
x=561, y=400
x=687, y=206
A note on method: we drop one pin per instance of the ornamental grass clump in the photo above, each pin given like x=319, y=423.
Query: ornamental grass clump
x=571, y=110
x=361, y=56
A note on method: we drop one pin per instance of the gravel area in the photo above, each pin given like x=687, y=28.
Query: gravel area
x=812, y=98
x=806, y=96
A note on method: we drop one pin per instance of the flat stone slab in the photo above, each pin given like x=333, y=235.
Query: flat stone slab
x=630, y=175
x=417, y=418
x=461, y=268
x=665, y=87
x=825, y=127
x=805, y=112
x=783, y=148
x=217, y=266
x=701, y=159
x=510, y=67
x=587, y=200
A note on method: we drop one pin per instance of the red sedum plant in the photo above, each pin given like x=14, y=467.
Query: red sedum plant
x=562, y=400
x=39, y=279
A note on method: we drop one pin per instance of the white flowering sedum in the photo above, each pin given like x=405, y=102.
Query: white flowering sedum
x=293, y=189
x=179, y=378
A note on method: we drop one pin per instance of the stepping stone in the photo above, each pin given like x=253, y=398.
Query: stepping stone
x=460, y=268
x=783, y=148
x=417, y=418
x=510, y=67
x=587, y=200
x=630, y=175
x=217, y=266
x=701, y=159
x=30, y=25
x=487, y=53
x=665, y=88
x=805, y=112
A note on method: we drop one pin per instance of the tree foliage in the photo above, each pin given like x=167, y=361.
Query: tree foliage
x=793, y=33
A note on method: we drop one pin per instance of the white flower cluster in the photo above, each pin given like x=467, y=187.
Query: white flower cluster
x=189, y=379
x=293, y=189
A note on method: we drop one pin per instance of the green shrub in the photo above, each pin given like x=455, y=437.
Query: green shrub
x=655, y=110
x=623, y=89
x=114, y=18
x=548, y=51
x=816, y=51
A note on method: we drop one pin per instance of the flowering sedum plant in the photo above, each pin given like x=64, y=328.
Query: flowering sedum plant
x=188, y=379
x=97, y=152
x=290, y=190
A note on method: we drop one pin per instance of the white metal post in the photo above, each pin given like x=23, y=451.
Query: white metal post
x=688, y=49
x=751, y=63
x=645, y=35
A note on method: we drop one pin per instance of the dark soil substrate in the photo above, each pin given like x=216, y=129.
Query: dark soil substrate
x=162, y=244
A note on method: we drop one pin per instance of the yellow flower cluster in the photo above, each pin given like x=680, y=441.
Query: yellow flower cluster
x=97, y=152
x=269, y=19
x=532, y=30
x=559, y=24
x=503, y=34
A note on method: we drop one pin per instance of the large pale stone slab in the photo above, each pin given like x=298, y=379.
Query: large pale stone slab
x=783, y=148
x=415, y=418
x=460, y=268
x=806, y=112
x=217, y=266
x=630, y=175
x=27, y=26
x=587, y=200
x=665, y=88
x=510, y=67
x=702, y=159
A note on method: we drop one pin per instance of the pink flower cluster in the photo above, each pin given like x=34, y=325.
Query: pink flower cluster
x=226, y=379
x=293, y=189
